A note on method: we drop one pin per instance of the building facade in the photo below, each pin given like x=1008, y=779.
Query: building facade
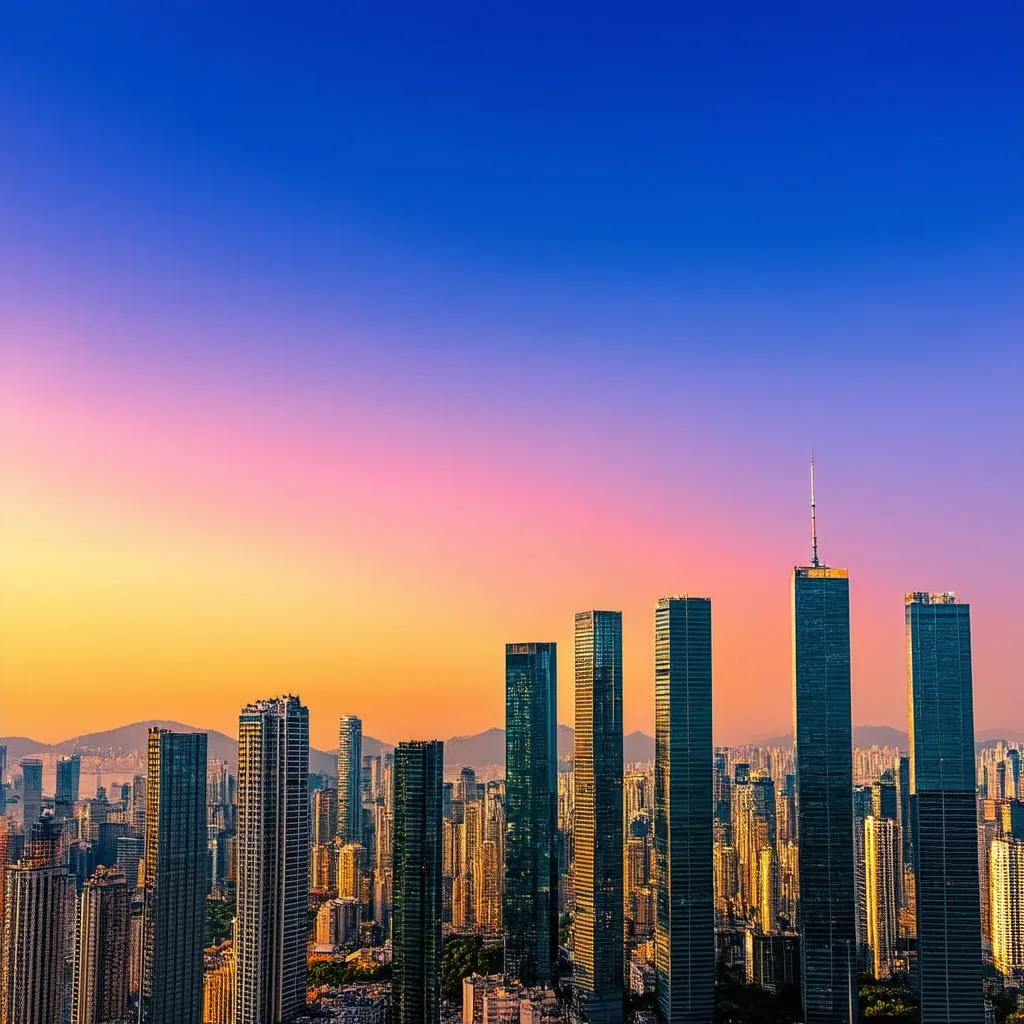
x=350, y=767
x=684, y=811
x=531, y=813
x=944, y=808
x=272, y=861
x=598, y=982
x=102, y=950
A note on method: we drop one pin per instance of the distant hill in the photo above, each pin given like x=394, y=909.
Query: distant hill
x=863, y=736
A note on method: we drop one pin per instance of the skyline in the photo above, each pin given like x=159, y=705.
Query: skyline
x=312, y=336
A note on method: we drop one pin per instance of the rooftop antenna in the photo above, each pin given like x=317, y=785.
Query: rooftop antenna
x=814, y=522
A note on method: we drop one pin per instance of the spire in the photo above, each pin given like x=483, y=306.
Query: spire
x=814, y=522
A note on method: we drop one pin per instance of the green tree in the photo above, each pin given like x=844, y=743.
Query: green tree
x=219, y=915
x=462, y=956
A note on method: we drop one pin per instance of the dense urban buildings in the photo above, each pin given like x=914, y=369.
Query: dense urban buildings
x=350, y=766
x=597, y=873
x=102, y=950
x=944, y=808
x=176, y=877
x=531, y=813
x=31, y=791
x=683, y=811
x=272, y=861
x=824, y=784
x=416, y=863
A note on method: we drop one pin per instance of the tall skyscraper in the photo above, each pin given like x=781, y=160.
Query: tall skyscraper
x=3, y=780
x=350, y=765
x=824, y=781
x=883, y=867
x=684, y=811
x=102, y=948
x=272, y=861
x=598, y=953
x=31, y=791
x=69, y=773
x=416, y=865
x=174, y=907
x=39, y=897
x=531, y=813
x=944, y=808
x=1006, y=898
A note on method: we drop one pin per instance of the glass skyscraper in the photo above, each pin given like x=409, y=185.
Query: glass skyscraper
x=943, y=808
x=350, y=767
x=272, y=860
x=416, y=883
x=824, y=781
x=597, y=769
x=684, y=811
x=531, y=808
x=176, y=879
x=31, y=791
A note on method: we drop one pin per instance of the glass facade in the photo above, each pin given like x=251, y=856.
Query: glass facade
x=684, y=811
x=824, y=781
x=174, y=909
x=944, y=808
x=416, y=862
x=531, y=803
x=597, y=868
x=350, y=766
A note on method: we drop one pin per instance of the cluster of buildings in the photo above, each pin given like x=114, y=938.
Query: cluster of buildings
x=797, y=863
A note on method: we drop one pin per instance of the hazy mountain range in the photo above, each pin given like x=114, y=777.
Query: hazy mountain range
x=480, y=750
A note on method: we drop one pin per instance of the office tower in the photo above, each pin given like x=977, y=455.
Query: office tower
x=351, y=866
x=883, y=864
x=130, y=852
x=102, y=945
x=350, y=763
x=684, y=811
x=531, y=813
x=3, y=780
x=31, y=791
x=273, y=860
x=884, y=797
x=942, y=780
x=416, y=893
x=597, y=882
x=325, y=816
x=39, y=897
x=824, y=783
x=219, y=983
x=69, y=773
x=1006, y=897
x=754, y=830
x=175, y=879
x=137, y=806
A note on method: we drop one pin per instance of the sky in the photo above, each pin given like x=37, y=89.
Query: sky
x=341, y=345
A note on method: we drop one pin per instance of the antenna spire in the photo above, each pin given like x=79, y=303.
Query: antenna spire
x=814, y=522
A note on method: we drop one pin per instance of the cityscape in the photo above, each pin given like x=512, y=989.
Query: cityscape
x=508, y=513
x=813, y=882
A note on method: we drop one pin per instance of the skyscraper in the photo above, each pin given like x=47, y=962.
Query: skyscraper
x=69, y=773
x=416, y=864
x=39, y=897
x=174, y=907
x=684, y=811
x=824, y=782
x=350, y=764
x=1006, y=897
x=272, y=860
x=883, y=866
x=944, y=808
x=598, y=953
x=31, y=791
x=3, y=780
x=531, y=813
x=102, y=947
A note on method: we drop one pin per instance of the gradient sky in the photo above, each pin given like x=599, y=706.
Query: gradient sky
x=341, y=345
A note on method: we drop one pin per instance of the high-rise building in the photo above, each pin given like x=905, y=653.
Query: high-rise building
x=272, y=861
x=597, y=880
x=416, y=883
x=883, y=866
x=175, y=879
x=944, y=808
x=824, y=784
x=325, y=816
x=1006, y=900
x=350, y=765
x=39, y=900
x=102, y=948
x=684, y=811
x=31, y=791
x=69, y=773
x=531, y=813
x=219, y=985
x=3, y=780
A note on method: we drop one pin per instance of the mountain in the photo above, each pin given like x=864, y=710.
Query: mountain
x=863, y=736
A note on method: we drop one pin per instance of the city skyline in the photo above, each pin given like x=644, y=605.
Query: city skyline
x=280, y=313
